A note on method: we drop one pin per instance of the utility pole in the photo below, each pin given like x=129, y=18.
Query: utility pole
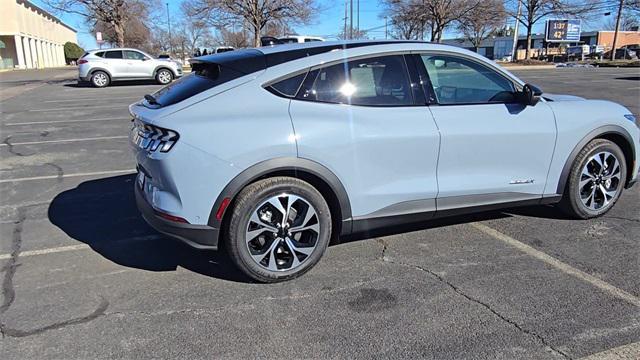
x=351, y=20
x=386, y=22
x=514, y=49
x=169, y=23
x=345, y=20
x=615, y=35
x=358, y=17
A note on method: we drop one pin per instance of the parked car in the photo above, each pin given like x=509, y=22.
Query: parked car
x=101, y=67
x=276, y=150
x=294, y=39
x=222, y=49
x=623, y=53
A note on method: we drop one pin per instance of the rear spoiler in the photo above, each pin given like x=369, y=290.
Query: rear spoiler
x=245, y=61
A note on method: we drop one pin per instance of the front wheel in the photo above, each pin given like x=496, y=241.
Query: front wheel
x=164, y=76
x=596, y=180
x=279, y=229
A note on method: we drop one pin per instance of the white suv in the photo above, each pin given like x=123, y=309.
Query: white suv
x=100, y=67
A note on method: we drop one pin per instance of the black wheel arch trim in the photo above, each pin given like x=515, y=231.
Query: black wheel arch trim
x=159, y=67
x=92, y=71
x=273, y=166
x=596, y=133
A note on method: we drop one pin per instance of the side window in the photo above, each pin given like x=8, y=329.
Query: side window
x=113, y=54
x=461, y=81
x=99, y=54
x=378, y=81
x=133, y=55
x=288, y=87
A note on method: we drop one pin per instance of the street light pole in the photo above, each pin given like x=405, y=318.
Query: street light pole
x=615, y=35
x=169, y=23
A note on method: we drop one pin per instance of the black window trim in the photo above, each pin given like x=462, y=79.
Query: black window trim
x=310, y=70
x=428, y=88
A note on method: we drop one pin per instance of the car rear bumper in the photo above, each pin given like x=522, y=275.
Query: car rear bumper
x=198, y=236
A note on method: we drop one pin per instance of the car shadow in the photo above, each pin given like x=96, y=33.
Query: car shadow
x=102, y=214
x=632, y=78
x=114, y=84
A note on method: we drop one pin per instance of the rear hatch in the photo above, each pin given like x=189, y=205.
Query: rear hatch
x=208, y=72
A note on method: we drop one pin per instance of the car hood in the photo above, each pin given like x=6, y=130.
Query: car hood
x=560, y=97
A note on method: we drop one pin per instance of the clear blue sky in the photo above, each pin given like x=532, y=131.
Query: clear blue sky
x=328, y=23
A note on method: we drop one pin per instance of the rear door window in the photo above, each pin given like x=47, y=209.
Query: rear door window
x=117, y=54
x=377, y=81
x=99, y=54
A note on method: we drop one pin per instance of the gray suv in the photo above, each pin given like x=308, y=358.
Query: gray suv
x=101, y=67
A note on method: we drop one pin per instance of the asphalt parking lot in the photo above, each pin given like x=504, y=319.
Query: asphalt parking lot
x=83, y=276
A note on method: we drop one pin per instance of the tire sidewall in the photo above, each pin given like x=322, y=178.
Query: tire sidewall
x=576, y=172
x=93, y=76
x=238, y=228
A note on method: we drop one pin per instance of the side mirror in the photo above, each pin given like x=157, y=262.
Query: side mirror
x=530, y=95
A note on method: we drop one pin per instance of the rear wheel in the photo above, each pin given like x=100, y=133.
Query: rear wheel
x=596, y=180
x=100, y=79
x=164, y=76
x=279, y=229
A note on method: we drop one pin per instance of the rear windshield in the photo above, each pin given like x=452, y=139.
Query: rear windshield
x=208, y=72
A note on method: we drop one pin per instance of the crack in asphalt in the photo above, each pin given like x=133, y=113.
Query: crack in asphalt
x=10, y=147
x=470, y=298
x=9, y=293
x=620, y=218
x=59, y=171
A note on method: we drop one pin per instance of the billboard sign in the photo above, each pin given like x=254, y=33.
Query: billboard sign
x=563, y=30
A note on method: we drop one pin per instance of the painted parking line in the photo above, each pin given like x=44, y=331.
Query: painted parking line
x=64, y=121
x=64, y=176
x=79, y=247
x=65, y=140
x=624, y=352
x=79, y=108
x=567, y=269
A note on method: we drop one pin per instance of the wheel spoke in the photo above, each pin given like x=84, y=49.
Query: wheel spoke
x=293, y=250
x=598, y=161
x=275, y=202
x=255, y=218
x=290, y=200
x=608, y=194
x=314, y=227
x=585, y=182
x=269, y=252
x=306, y=250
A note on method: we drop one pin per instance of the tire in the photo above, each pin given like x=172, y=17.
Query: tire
x=257, y=242
x=601, y=187
x=164, y=76
x=100, y=79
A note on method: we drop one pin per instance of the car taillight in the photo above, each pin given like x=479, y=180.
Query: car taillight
x=153, y=138
x=82, y=61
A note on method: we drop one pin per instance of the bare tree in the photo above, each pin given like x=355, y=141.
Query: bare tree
x=482, y=21
x=405, y=20
x=255, y=13
x=435, y=15
x=627, y=23
x=535, y=10
x=113, y=16
x=355, y=34
x=237, y=39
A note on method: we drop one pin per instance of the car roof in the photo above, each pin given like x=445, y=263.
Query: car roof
x=254, y=59
x=116, y=49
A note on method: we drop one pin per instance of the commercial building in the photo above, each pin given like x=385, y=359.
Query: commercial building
x=30, y=37
x=500, y=47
